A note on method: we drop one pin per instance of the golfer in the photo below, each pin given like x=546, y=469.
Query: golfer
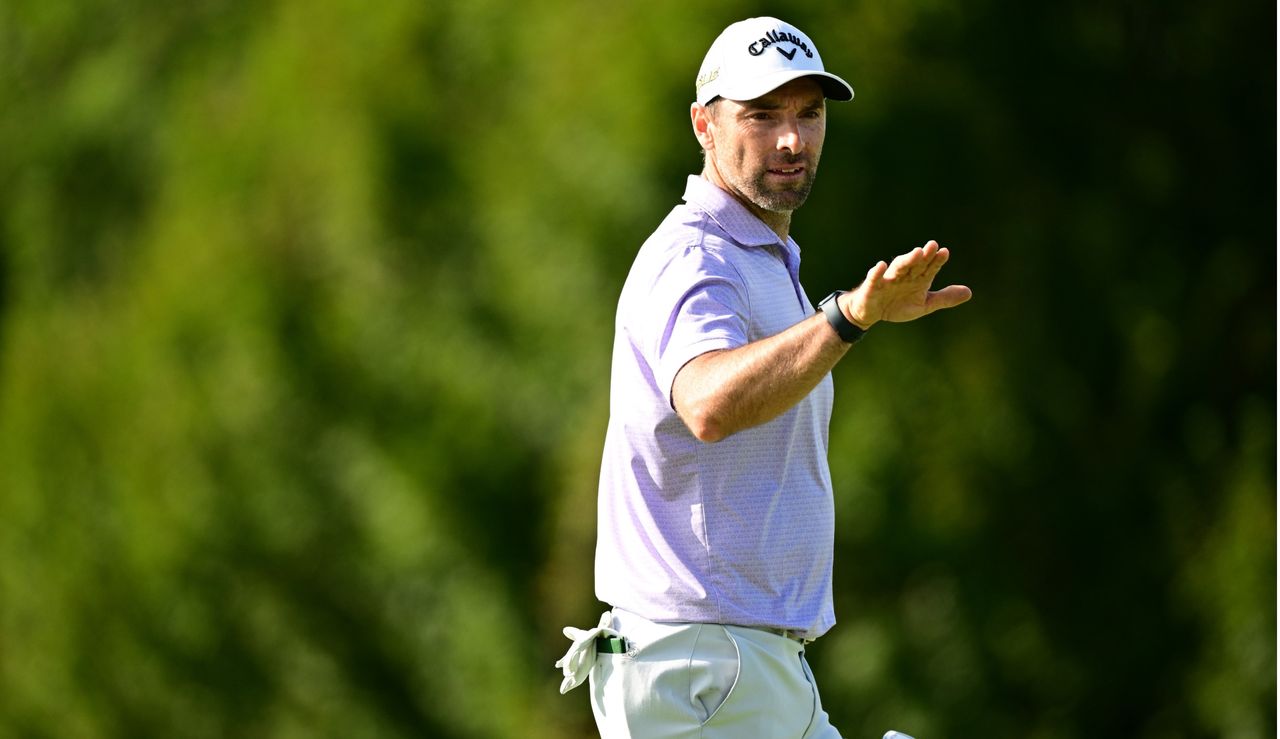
x=716, y=517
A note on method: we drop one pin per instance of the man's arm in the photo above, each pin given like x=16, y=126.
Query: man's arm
x=723, y=392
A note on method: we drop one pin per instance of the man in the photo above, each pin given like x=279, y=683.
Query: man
x=716, y=518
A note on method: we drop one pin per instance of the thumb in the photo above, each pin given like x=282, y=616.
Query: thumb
x=947, y=297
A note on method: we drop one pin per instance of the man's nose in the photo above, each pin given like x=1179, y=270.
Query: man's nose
x=789, y=138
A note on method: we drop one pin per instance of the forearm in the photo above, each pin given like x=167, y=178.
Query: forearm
x=723, y=392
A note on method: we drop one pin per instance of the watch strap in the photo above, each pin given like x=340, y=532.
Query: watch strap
x=848, y=330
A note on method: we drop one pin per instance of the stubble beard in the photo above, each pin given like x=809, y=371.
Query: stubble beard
x=775, y=198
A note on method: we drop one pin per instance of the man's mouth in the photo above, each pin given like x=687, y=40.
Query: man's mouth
x=793, y=171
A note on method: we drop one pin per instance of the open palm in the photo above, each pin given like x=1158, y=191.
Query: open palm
x=899, y=291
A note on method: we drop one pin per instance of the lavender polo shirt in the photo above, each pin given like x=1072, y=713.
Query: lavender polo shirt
x=736, y=532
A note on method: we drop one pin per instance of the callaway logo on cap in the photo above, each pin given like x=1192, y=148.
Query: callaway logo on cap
x=758, y=55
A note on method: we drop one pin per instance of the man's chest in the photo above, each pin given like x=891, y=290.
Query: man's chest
x=775, y=299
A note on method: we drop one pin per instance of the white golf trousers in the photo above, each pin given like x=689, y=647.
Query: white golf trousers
x=705, y=681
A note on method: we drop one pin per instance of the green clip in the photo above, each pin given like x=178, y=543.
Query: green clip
x=611, y=644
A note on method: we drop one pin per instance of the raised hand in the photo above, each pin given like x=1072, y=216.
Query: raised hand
x=899, y=291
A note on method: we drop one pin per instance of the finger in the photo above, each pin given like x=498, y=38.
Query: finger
x=875, y=275
x=927, y=253
x=947, y=297
x=921, y=257
x=858, y=299
x=935, y=265
x=903, y=264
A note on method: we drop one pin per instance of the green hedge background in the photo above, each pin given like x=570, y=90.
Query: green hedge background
x=305, y=320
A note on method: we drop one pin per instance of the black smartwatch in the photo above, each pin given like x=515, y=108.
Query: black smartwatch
x=847, y=329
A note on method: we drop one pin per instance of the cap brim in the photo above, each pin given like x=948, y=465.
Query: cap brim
x=833, y=87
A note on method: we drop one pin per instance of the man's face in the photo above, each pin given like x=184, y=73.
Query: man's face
x=766, y=150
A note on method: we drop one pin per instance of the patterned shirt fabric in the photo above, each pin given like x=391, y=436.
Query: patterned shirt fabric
x=740, y=531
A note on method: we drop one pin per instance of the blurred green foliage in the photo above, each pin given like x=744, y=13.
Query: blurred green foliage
x=305, y=315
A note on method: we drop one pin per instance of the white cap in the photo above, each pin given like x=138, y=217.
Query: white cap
x=753, y=57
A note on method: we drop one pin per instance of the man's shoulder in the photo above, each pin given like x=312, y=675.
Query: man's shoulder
x=686, y=227
x=687, y=247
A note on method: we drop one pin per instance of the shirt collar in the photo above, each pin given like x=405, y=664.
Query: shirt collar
x=741, y=224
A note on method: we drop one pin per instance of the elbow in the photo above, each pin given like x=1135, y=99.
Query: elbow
x=704, y=411
x=705, y=425
x=708, y=434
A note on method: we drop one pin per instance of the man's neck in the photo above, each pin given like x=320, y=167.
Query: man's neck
x=778, y=221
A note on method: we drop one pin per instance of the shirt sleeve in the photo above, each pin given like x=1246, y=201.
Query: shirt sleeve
x=697, y=303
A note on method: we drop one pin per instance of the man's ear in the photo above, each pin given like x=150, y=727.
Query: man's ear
x=700, y=116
